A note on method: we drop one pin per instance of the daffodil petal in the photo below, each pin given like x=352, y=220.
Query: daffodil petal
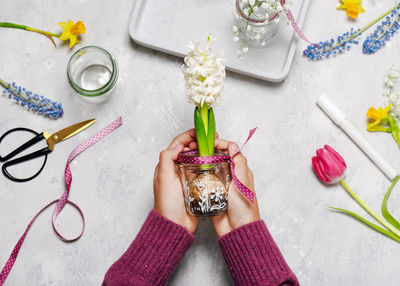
x=73, y=41
x=64, y=25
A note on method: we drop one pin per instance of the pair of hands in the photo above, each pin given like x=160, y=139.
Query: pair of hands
x=168, y=197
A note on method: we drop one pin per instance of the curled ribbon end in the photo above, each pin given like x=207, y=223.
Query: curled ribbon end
x=119, y=120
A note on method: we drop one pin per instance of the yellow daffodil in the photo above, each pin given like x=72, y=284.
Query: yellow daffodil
x=71, y=31
x=377, y=116
x=352, y=7
x=383, y=121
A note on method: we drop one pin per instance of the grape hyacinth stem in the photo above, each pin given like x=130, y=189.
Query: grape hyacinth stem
x=330, y=48
x=383, y=32
x=33, y=102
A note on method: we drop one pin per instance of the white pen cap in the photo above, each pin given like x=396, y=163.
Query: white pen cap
x=331, y=109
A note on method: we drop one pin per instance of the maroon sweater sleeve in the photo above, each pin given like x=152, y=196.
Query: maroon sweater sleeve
x=153, y=256
x=253, y=258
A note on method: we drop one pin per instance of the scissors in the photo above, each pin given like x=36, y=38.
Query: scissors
x=51, y=140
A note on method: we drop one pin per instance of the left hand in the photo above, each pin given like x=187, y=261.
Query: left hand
x=168, y=196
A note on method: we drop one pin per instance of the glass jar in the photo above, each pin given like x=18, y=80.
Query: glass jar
x=255, y=28
x=92, y=71
x=205, y=187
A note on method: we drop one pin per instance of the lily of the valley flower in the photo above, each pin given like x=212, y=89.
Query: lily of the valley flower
x=72, y=31
x=392, y=93
x=330, y=167
x=352, y=7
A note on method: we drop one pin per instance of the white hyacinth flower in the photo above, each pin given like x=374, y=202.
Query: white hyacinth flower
x=204, y=74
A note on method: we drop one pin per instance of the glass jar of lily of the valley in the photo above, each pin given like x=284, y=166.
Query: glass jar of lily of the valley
x=205, y=187
x=256, y=21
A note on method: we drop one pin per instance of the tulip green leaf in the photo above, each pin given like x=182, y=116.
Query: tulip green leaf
x=211, y=131
x=386, y=214
x=200, y=133
x=368, y=223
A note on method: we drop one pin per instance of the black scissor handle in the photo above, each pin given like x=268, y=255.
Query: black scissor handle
x=26, y=145
x=41, y=152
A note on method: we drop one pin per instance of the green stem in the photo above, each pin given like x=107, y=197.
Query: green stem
x=3, y=83
x=49, y=35
x=12, y=90
x=204, y=116
x=23, y=27
x=365, y=27
x=385, y=212
x=377, y=19
x=394, y=127
x=369, y=210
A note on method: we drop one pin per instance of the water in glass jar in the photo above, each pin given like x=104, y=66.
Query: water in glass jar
x=94, y=77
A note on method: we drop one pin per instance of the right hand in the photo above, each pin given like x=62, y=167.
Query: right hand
x=240, y=210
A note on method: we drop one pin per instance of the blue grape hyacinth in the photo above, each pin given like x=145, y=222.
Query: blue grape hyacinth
x=382, y=33
x=34, y=102
x=331, y=47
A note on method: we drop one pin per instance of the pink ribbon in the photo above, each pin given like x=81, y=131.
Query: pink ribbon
x=299, y=32
x=191, y=157
x=62, y=201
x=289, y=15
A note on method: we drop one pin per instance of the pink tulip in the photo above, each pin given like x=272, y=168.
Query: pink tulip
x=329, y=165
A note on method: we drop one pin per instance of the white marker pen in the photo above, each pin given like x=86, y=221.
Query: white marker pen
x=340, y=119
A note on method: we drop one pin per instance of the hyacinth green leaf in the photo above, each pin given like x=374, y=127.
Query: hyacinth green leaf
x=211, y=131
x=368, y=223
x=200, y=133
x=386, y=214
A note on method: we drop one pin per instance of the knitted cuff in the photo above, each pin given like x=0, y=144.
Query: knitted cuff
x=154, y=254
x=253, y=258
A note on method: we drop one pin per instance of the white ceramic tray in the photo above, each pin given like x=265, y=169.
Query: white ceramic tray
x=168, y=25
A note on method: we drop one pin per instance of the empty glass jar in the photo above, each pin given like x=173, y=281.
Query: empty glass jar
x=92, y=71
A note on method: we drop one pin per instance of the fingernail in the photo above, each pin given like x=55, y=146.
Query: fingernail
x=178, y=147
x=234, y=147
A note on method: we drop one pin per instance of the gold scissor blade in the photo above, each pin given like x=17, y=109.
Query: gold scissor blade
x=68, y=132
